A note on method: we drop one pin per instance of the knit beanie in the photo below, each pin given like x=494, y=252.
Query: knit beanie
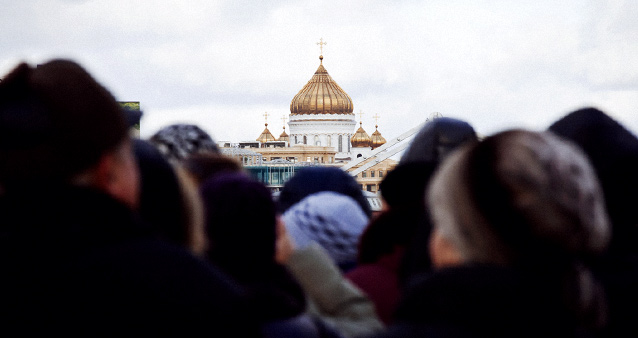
x=333, y=220
x=519, y=198
x=55, y=122
x=178, y=141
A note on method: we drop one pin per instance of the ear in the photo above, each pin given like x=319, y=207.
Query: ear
x=104, y=172
x=443, y=252
x=116, y=173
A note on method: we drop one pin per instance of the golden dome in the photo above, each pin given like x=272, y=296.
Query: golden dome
x=360, y=139
x=321, y=95
x=284, y=136
x=266, y=136
x=376, y=139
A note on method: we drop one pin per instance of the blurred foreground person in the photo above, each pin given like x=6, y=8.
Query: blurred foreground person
x=76, y=260
x=247, y=242
x=613, y=151
x=169, y=200
x=515, y=217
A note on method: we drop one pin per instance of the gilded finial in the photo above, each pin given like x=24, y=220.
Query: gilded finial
x=283, y=119
x=321, y=43
x=266, y=118
x=376, y=120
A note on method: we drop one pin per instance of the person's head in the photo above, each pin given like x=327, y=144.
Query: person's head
x=437, y=139
x=334, y=221
x=403, y=186
x=241, y=224
x=169, y=200
x=317, y=179
x=518, y=198
x=202, y=166
x=59, y=126
x=179, y=141
x=613, y=152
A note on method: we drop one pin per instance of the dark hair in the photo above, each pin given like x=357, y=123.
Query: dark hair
x=205, y=165
x=55, y=122
x=240, y=224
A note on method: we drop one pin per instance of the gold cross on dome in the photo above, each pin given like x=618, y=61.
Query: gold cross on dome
x=321, y=43
x=360, y=115
x=376, y=118
x=266, y=116
x=283, y=119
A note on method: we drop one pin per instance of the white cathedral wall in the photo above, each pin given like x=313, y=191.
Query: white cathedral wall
x=325, y=129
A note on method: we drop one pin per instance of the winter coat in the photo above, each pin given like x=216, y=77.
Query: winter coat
x=332, y=297
x=79, y=263
x=380, y=281
x=483, y=301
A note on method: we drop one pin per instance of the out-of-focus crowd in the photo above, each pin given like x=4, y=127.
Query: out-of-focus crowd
x=518, y=234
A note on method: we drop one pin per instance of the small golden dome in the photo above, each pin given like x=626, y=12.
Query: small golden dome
x=376, y=139
x=284, y=136
x=321, y=95
x=266, y=136
x=360, y=139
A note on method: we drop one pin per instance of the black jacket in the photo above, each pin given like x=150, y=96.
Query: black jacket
x=483, y=301
x=77, y=262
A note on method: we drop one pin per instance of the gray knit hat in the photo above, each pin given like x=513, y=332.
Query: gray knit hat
x=518, y=195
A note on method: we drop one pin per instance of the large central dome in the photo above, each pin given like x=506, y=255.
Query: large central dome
x=321, y=95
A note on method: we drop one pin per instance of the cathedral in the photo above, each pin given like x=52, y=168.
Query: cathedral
x=321, y=132
x=321, y=115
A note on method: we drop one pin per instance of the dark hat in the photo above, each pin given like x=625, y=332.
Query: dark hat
x=437, y=139
x=405, y=185
x=613, y=151
x=55, y=122
x=316, y=179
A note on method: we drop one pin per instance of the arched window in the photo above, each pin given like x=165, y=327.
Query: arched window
x=296, y=139
x=305, y=140
x=329, y=141
x=340, y=143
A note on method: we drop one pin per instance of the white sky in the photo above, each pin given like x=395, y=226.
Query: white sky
x=222, y=64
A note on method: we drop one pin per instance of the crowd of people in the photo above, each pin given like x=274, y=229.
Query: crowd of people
x=521, y=233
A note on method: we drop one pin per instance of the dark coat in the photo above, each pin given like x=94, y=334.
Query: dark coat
x=77, y=262
x=482, y=301
x=613, y=151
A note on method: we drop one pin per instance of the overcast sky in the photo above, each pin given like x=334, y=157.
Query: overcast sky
x=222, y=64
